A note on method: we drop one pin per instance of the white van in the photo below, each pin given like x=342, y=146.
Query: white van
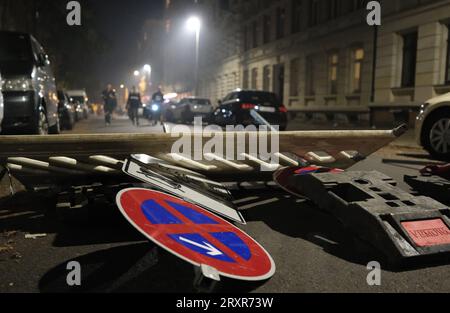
x=80, y=98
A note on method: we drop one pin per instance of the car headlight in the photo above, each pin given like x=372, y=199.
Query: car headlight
x=424, y=106
x=17, y=84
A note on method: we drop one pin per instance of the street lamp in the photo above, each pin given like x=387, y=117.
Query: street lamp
x=137, y=73
x=194, y=24
x=147, y=68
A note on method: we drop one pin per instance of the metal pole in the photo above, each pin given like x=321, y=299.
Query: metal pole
x=197, y=52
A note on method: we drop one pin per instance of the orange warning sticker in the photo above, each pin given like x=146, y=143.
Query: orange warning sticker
x=428, y=232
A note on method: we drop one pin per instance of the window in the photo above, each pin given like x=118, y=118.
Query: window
x=266, y=78
x=332, y=9
x=254, y=34
x=255, y=79
x=358, y=4
x=294, y=81
x=310, y=76
x=356, y=70
x=313, y=12
x=281, y=20
x=333, y=66
x=296, y=16
x=245, y=79
x=245, y=35
x=447, y=68
x=409, y=60
x=267, y=29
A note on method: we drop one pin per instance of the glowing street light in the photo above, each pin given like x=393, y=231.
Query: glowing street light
x=137, y=73
x=194, y=24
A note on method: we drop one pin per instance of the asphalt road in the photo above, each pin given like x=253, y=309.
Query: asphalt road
x=312, y=251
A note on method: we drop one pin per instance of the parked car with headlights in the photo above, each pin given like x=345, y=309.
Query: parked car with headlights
x=433, y=126
x=81, y=101
x=1, y=104
x=30, y=99
x=236, y=107
x=66, y=110
x=188, y=108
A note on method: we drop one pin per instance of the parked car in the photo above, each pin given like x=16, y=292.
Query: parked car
x=81, y=100
x=30, y=100
x=67, y=111
x=236, y=107
x=1, y=104
x=433, y=126
x=188, y=108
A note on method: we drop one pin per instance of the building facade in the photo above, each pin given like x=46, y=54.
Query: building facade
x=323, y=52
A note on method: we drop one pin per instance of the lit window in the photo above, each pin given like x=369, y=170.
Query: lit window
x=357, y=64
x=333, y=65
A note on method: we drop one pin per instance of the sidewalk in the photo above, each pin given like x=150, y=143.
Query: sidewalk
x=407, y=140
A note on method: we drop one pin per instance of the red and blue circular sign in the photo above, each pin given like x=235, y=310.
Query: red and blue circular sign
x=195, y=235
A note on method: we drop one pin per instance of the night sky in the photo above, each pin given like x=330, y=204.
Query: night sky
x=121, y=22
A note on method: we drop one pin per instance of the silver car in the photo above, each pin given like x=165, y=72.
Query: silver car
x=433, y=126
x=188, y=108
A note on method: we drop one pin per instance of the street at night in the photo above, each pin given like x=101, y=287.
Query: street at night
x=217, y=148
x=313, y=252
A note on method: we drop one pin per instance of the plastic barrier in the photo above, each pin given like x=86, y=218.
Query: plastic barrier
x=402, y=226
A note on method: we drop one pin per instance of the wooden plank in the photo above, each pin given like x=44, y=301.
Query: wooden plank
x=119, y=146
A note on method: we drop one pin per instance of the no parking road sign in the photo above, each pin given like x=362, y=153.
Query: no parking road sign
x=195, y=235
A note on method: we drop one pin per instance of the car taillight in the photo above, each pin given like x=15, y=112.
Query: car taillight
x=247, y=106
x=283, y=109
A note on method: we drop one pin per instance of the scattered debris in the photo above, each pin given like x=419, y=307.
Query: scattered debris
x=5, y=248
x=35, y=236
x=16, y=256
x=9, y=234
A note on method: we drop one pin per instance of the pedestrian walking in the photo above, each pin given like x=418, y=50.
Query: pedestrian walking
x=133, y=104
x=110, y=102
